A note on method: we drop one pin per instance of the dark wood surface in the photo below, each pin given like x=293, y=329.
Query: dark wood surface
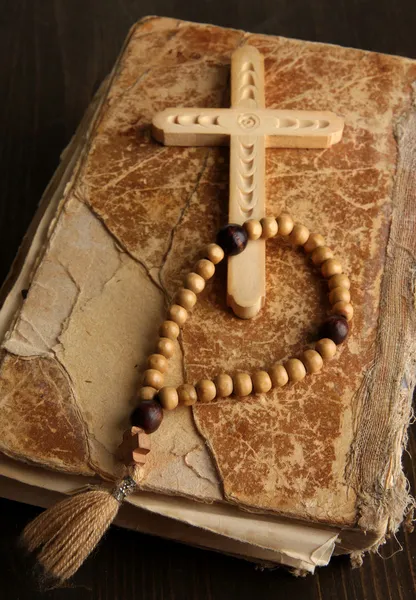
x=54, y=54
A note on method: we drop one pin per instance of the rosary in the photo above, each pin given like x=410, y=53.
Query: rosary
x=64, y=535
x=232, y=240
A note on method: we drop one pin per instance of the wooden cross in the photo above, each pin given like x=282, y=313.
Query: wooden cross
x=248, y=128
x=134, y=447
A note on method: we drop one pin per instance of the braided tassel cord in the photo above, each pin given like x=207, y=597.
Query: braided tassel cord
x=65, y=535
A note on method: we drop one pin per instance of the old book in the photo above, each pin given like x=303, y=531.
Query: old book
x=289, y=477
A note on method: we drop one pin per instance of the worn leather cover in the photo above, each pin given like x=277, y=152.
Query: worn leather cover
x=127, y=227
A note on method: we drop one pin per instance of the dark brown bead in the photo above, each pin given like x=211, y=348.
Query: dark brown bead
x=232, y=238
x=148, y=415
x=335, y=328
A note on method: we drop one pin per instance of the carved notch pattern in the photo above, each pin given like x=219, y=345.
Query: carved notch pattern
x=203, y=120
x=246, y=178
x=247, y=85
x=294, y=123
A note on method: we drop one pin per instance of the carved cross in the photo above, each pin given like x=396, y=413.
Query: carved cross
x=134, y=447
x=248, y=128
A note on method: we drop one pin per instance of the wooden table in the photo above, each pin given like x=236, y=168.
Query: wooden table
x=54, y=55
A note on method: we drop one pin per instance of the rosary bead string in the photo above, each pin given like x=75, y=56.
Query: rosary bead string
x=153, y=396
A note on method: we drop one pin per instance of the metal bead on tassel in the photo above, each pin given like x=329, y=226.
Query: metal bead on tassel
x=65, y=535
x=124, y=488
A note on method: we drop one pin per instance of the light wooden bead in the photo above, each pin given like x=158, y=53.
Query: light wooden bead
x=168, y=398
x=341, y=280
x=206, y=390
x=269, y=227
x=194, y=282
x=158, y=362
x=178, y=314
x=285, y=224
x=146, y=393
x=169, y=329
x=215, y=253
x=299, y=235
x=153, y=378
x=295, y=369
x=321, y=254
x=187, y=394
x=326, y=348
x=261, y=382
x=315, y=240
x=253, y=228
x=205, y=268
x=339, y=294
x=343, y=308
x=224, y=385
x=186, y=298
x=243, y=385
x=331, y=267
x=278, y=375
x=312, y=361
x=166, y=347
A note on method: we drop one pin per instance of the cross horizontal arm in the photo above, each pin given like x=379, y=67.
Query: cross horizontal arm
x=213, y=126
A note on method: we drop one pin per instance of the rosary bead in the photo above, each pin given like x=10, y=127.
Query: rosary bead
x=153, y=378
x=339, y=294
x=315, y=240
x=331, y=267
x=187, y=394
x=224, y=385
x=312, y=361
x=261, y=382
x=168, y=398
x=335, y=328
x=169, y=329
x=299, y=235
x=166, y=347
x=233, y=239
x=206, y=390
x=148, y=416
x=278, y=375
x=214, y=253
x=340, y=280
x=253, y=228
x=326, y=348
x=158, y=362
x=243, y=385
x=345, y=309
x=186, y=298
x=205, y=268
x=178, y=314
x=295, y=370
x=269, y=227
x=285, y=224
x=194, y=282
x=321, y=254
x=146, y=393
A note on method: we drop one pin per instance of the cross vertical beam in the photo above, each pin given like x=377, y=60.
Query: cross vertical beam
x=246, y=284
